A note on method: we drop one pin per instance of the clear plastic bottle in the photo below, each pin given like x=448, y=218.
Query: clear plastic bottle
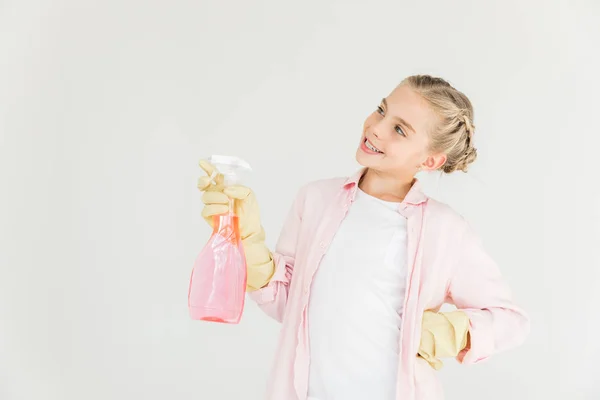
x=218, y=282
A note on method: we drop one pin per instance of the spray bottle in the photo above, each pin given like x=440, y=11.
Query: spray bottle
x=218, y=282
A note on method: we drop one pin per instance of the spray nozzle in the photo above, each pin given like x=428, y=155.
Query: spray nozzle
x=230, y=167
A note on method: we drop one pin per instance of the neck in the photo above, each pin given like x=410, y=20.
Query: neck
x=385, y=187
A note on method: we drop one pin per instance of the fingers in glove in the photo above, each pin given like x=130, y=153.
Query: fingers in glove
x=206, y=184
x=215, y=198
x=207, y=167
x=237, y=192
x=213, y=175
x=214, y=209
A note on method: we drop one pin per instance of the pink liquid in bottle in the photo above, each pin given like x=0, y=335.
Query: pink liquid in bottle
x=218, y=282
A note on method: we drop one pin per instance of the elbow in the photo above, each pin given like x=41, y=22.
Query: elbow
x=513, y=330
x=523, y=328
x=494, y=330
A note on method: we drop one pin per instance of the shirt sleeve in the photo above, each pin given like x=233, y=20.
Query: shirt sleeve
x=272, y=298
x=478, y=289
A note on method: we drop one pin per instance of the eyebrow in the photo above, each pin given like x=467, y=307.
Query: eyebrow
x=402, y=121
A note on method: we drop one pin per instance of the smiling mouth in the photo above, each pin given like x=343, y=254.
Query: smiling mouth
x=370, y=146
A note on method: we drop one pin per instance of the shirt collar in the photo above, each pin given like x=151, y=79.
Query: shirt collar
x=414, y=196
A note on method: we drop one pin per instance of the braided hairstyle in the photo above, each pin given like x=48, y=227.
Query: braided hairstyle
x=453, y=134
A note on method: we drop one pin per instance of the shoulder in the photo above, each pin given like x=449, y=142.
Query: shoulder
x=312, y=197
x=444, y=218
x=322, y=189
x=328, y=185
x=446, y=224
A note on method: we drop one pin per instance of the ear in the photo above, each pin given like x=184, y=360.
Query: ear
x=434, y=161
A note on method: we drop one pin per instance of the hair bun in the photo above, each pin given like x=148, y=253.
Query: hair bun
x=462, y=164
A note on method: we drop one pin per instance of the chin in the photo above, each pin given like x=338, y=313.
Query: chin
x=365, y=160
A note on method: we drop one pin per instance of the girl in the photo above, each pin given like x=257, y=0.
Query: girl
x=364, y=263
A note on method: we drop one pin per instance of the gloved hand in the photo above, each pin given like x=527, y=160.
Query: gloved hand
x=217, y=201
x=443, y=335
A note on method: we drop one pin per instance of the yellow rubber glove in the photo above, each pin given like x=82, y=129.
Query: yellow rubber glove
x=443, y=335
x=216, y=201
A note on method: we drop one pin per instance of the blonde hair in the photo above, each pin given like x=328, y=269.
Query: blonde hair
x=453, y=134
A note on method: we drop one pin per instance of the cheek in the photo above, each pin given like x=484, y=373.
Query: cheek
x=371, y=119
x=396, y=151
x=402, y=153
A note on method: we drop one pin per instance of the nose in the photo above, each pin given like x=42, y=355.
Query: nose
x=377, y=130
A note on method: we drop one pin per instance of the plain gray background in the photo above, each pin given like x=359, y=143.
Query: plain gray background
x=107, y=106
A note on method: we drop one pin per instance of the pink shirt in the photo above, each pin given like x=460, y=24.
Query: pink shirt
x=446, y=264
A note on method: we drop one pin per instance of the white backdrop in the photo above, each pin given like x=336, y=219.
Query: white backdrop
x=107, y=106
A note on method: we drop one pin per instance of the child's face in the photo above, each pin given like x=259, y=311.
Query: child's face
x=398, y=128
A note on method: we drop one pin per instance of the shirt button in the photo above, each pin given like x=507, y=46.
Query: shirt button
x=323, y=245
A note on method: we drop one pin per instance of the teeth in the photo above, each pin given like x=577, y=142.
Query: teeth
x=371, y=147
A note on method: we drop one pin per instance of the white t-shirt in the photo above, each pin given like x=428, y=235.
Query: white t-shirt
x=355, y=307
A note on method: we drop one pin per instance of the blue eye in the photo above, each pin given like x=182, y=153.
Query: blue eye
x=397, y=128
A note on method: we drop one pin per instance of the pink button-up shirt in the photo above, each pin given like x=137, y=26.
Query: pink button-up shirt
x=446, y=264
